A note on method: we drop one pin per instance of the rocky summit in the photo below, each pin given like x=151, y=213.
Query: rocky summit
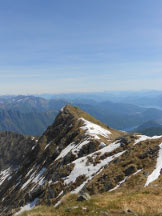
x=79, y=154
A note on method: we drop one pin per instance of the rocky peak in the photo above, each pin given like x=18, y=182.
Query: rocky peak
x=79, y=153
x=70, y=119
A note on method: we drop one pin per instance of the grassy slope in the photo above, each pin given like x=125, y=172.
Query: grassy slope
x=127, y=200
x=144, y=203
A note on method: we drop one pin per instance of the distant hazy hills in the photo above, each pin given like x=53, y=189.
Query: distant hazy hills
x=152, y=131
x=25, y=123
x=26, y=104
x=146, y=98
x=150, y=128
x=30, y=115
x=155, y=101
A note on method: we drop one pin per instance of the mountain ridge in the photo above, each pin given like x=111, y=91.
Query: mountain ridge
x=79, y=153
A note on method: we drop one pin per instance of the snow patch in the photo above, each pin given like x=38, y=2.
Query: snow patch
x=77, y=148
x=28, y=206
x=58, y=203
x=4, y=175
x=155, y=174
x=61, y=193
x=137, y=172
x=110, y=148
x=119, y=184
x=66, y=150
x=94, y=130
x=143, y=138
x=48, y=145
x=62, y=109
x=84, y=167
x=25, y=184
x=74, y=148
x=33, y=147
x=38, y=179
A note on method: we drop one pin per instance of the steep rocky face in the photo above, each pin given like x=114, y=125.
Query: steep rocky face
x=14, y=147
x=79, y=153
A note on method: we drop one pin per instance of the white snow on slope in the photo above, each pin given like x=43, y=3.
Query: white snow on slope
x=75, y=148
x=155, y=174
x=38, y=179
x=62, y=109
x=72, y=147
x=84, y=167
x=66, y=150
x=33, y=147
x=4, y=175
x=81, y=168
x=48, y=145
x=143, y=138
x=121, y=182
x=25, y=184
x=94, y=130
x=110, y=148
x=137, y=172
x=28, y=206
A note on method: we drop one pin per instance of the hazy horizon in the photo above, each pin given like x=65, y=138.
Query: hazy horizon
x=115, y=92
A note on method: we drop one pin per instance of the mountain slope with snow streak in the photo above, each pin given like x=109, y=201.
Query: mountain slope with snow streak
x=78, y=153
x=156, y=173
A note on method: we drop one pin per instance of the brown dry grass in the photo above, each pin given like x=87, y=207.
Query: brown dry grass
x=144, y=203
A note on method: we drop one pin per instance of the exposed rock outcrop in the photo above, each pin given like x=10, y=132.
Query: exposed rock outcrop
x=77, y=153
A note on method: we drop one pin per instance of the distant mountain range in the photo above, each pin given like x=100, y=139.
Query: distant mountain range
x=146, y=98
x=30, y=115
x=149, y=128
x=33, y=123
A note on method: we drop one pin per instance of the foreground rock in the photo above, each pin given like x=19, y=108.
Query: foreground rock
x=83, y=196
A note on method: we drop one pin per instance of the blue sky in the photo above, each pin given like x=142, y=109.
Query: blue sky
x=57, y=46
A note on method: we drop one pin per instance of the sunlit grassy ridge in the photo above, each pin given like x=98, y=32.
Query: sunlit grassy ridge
x=147, y=202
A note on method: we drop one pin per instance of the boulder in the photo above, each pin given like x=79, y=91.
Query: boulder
x=83, y=196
